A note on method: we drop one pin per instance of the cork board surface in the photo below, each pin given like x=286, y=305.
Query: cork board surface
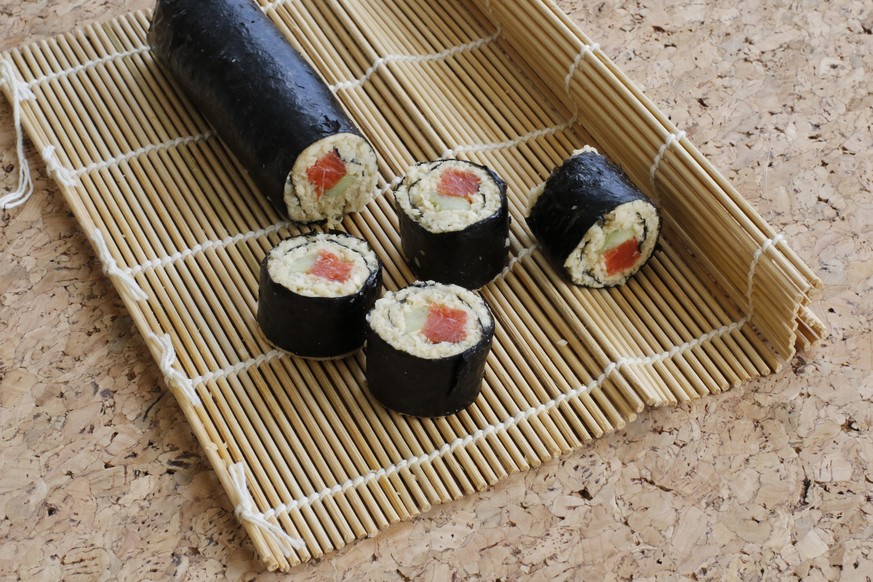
x=101, y=479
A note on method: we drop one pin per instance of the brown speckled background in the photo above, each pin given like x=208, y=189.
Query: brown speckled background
x=100, y=478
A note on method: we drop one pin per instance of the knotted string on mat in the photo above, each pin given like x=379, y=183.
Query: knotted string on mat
x=19, y=91
x=55, y=169
x=111, y=268
x=247, y=512
x=173, y=377
x=770, y=242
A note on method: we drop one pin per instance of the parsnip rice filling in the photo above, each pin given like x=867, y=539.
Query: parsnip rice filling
x=588, y=265
x=298, y=265
x=332, y=177
x=440, y=197
x=401, y=319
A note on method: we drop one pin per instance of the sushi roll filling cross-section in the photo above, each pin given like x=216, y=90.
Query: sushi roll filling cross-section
x=616, y=245
x=325, y=268
x=332, y=177
x=448, y=195
x=436, y=322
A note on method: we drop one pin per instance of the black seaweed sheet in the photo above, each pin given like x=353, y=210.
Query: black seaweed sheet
x=262, y=97
x=578, y=195
x=315, y=327
x=470, y=257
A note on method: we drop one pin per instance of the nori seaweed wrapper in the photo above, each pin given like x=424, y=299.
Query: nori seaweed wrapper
x=578, y=195
x=315, y=327
x=424, y=387
x=470, y=257
x=262, y=97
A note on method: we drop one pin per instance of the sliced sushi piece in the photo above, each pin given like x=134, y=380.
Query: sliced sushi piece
x=426, y=348
x=315, y=292
x=268, y=105
x=454, y=222
x=592, y=222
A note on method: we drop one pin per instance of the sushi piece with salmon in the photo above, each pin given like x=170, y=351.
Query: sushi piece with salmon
x=454, y=222
x=315, y=292
x=592, y=223
x=427, y=346
x=268, y=105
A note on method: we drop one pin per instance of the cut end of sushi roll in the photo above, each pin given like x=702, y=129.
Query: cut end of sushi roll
x=449, y=195
x=331, y=178
x=322, y=265
x=426, y=349
x=315, y=292
x=613, y=250
x=431, y=320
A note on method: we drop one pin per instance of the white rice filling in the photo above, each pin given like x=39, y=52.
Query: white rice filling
x=399, y=318
x=351, y=194
x=587, y=265
x=292, y=258
x=417, y=196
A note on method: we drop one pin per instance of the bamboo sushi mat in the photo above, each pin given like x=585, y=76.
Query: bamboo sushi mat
x=308, y=458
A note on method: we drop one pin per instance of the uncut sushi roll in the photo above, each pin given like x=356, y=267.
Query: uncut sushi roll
x=592, y=222
x=454, y=222
x=426, y=348
x=268, y=105
x=315, y=292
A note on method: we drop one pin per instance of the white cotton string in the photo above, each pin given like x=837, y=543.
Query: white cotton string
x=110, y=267
x=494, y=428
x=179, y=141
x=210, y=244
x=513, y=261
x=272, y=5
x=173, y=377
x=586, y=50
x=532, y=196
x=485, y=147
x=663, y=150
x=246, y=511
x=87, y=65
x=344, y=85
x=18, y=92
x=240, y=367
x=232, y=240
x=756, y=258
x=55, y=169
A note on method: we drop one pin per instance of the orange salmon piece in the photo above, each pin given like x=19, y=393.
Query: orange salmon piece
x=445, y=324
x=331, y=267
x=458, y=183
x=622, y=257
x=326, y=172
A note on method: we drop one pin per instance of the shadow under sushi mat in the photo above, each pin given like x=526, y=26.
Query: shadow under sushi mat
x=426, y=348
